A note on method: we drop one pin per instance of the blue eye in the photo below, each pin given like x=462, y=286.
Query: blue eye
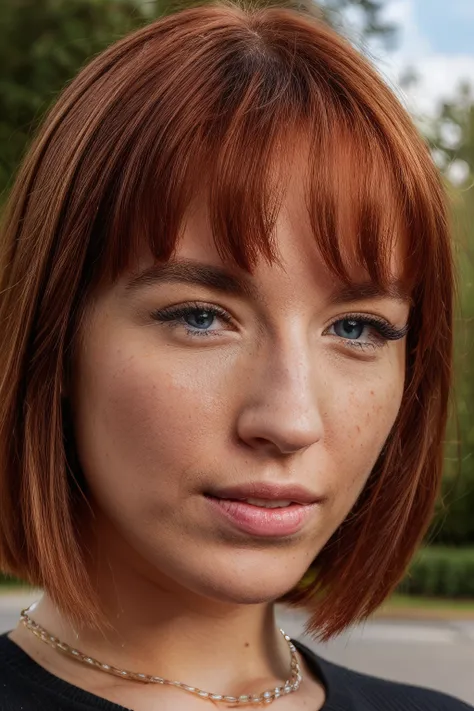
x=349, y=328
x=197, y=319
x=366, y=331
x=201, y=319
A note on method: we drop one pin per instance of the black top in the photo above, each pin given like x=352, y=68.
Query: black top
x=26, y=686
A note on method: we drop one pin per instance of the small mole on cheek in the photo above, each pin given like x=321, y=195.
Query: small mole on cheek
x=246, y=644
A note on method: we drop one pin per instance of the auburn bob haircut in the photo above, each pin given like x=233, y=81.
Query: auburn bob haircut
x=213, y=101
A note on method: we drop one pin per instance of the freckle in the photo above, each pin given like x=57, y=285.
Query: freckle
x=247, y=644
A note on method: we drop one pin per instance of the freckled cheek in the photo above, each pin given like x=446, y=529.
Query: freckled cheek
x=359, y=432
x=381, y=408
x=157, y=412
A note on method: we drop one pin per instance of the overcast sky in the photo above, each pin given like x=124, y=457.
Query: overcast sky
x=436, y=38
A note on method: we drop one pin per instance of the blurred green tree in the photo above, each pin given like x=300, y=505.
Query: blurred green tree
x=43, y=43
x=452, y=139
x=454, y=522
x=453, y=131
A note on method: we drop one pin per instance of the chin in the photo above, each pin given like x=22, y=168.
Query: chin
x=255, y=593
x=256, y=585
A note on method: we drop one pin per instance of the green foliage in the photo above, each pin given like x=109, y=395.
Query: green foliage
x=441, y=572
x=453, y=131
x=43, y=44
x=454, y=522
x=7, y=581
x=451, y=135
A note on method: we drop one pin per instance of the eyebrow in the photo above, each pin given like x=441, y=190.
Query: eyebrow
x=361, y=291
x=195, y=273
x=221, y=280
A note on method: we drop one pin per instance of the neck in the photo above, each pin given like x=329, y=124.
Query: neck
x=160, y=628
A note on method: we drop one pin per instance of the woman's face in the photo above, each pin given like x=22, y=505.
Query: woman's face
x=188, y=382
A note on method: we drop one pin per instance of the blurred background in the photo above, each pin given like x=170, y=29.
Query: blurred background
x=425, y=51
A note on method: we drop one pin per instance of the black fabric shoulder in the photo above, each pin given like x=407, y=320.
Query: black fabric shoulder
x=348, y=690
x=26, y=686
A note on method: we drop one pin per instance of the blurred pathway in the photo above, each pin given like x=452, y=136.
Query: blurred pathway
x=439, y=655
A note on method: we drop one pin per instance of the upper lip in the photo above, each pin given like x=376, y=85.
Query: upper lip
x=271, y=492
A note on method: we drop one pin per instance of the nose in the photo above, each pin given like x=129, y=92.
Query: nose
x=281, y=413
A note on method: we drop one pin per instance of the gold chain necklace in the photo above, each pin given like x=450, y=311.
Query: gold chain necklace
x=266, y=697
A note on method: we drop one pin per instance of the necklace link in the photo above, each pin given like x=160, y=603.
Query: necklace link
x=266, y=697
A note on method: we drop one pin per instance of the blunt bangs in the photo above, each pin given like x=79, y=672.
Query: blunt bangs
x=219, y=104
x=247, y=110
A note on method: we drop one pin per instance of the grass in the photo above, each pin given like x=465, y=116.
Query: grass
x=14, y=588
x=414, y=607
x=403, y=601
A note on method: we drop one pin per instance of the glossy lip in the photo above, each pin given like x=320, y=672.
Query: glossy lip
x=266, y=490
x=260, y=521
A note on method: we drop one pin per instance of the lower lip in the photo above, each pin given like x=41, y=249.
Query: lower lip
x=261, y=521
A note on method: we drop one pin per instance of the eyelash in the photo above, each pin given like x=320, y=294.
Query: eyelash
x=174, y=316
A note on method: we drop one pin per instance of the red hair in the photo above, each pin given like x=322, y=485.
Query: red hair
x=212, y=101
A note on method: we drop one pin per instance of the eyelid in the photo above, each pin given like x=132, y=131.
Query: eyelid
x=185, y=307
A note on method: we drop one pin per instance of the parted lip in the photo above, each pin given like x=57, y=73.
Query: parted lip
x=265, y=490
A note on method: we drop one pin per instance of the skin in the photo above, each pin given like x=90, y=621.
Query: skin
x=162, y=415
